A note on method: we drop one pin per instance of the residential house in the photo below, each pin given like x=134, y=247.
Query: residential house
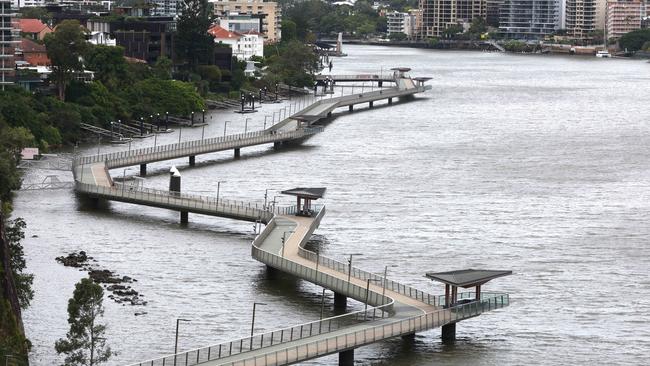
x=269, y=9
x=243, y=45
x=33, y=29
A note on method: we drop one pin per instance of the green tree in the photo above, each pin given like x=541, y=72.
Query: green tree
x=163, y=68
x=452, y=31
x=397, y=36
x=108, y=63
x=15, y=233
x=634, y=41
x=84, y=344
x=65, y=47
x=193, y=42
x=289, y=30
x=477, y=27
x=12, y=141
x=36, y=13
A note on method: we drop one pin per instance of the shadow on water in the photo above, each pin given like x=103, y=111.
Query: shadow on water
x=225, y=161
x=104, y=209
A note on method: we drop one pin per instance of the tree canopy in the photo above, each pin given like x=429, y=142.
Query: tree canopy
x=193, y=42
x=65, y=48
x=84, y=344
x=634, y=41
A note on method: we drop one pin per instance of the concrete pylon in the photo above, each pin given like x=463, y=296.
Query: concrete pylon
x=449, y=332
x=175, y=187
x=346, y=358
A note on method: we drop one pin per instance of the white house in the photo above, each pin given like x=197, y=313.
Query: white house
x=244, y=45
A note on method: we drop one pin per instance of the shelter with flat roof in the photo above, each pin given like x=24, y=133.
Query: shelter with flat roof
x=304, y=197
x=464, y=278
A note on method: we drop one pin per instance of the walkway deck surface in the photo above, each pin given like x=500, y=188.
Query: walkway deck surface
x=395, y=309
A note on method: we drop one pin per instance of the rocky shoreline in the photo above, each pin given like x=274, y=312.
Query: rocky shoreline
x=117, y=285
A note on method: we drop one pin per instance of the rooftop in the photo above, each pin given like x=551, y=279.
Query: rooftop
x=467, y=277
x=31, y=25
x=221, y=33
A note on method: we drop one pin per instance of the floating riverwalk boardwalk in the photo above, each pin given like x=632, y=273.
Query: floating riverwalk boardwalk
x=392, y=309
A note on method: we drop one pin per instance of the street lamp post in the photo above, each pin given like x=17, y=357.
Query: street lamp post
x=192, y=121
x=176, y=340
x=203, y=111
x=365, y=310
x=180, y=132
x=253, y=321
x=265, y=117
x=112, y=123
x=225, y=124
x=218, y=187
x=246, y=125
x=202, y=132
x=322, y=305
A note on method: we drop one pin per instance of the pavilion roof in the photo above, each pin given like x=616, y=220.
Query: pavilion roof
x=467, y=277
x=311, y=193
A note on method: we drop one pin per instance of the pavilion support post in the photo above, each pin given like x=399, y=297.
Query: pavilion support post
x=477, y=296
x=447, y=299
x=237, y=153
x=449, y=332
x=409, y=337
x=346, y=358
x=340, y=301
x=143, y=170
x=297, y=204
x=192, y=160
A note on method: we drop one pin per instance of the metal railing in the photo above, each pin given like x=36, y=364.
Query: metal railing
x=186, y=202
x=364, y=275
x=353, y=339
x=195, y=147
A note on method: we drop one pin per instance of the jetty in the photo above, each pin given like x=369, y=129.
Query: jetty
x=392, y=309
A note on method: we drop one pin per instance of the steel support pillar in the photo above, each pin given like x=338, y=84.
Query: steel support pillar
x=192, y=160
x=143, y=170
x=346, y=358
x=237, y=153
x=449, y=332
x=276, y=145
x=390, y=100
x=370, y=104
x=184, y=217
x=381, y=83
x=340, y=301
x=351, y=108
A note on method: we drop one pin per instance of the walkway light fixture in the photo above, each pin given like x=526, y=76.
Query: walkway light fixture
x=365, y=310
x=178, y=320
x=253, y=320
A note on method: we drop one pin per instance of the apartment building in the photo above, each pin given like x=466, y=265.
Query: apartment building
x=8, y=41
x=584, y=17
x=624, y=16
x=529, y=19
x=438, y=15
x=399, y=23
x=271, y=11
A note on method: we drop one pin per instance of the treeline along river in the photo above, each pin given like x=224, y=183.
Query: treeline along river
x=537, y=164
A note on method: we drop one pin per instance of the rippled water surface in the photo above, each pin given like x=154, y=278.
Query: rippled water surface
x=536, y=164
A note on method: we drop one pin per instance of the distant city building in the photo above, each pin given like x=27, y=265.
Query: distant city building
x=400, y=23
x=270, y=10
x=28, y=3
x=492, y=12
x=166, y=8
x=147, y=39
x=624, y=16
x=8, y=41
x=438, y=15
x=242, y=23
x=529, y=19
x=585, y=17
x=243, y=45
